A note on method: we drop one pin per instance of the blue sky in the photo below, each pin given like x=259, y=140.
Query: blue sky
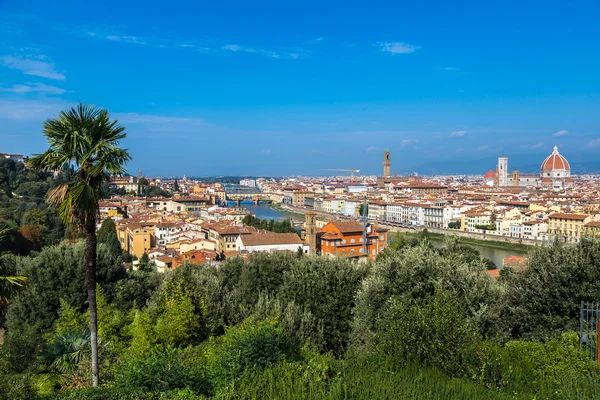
x=282, y=87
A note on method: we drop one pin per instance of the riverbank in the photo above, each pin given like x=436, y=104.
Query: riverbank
x=493, y=244
x=280, y=208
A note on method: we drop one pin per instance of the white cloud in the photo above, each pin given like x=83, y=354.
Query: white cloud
x=295, y=54
x=536, y=146
x=484, y=147
x=459, y=150
x=408, y=142
x=458, y=133
x=370, y=149
x=560, y=133
x=592, y=144
x=265, y=152
x=30, y=87
x=452, y=69
x=396, y=47
x=32, y=65
x=319, y=39
x=232, y=47
x=126, y=39
x=31, y=110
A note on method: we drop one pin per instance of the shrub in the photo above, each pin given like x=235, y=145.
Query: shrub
x=547, y=364
x=162, y=369
x=435, y=332
x=251, y=345
x=326, y=288
x=16, y=387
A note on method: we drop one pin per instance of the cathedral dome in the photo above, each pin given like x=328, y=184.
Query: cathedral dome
x=489, y=175
x=555, y=162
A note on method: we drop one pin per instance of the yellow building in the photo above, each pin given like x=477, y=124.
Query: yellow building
x=471, y=219
x=567, y=226
x=136, y=238
x=592, y=229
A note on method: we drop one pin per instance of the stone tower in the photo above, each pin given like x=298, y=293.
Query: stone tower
x=387, y=164
x=310, y=223
x=503, y=171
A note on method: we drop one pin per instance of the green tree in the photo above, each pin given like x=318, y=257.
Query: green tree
x=86, y=138
x=143, y=181
x=107, y=234
x=327, y=289
x=362, y=210
x=10, y=282
x=144, y=264
x=544, y=299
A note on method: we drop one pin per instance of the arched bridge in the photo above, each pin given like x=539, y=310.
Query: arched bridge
x=255, y=197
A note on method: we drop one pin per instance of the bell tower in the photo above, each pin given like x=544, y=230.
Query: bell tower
x=387, y=163
x=311, y=232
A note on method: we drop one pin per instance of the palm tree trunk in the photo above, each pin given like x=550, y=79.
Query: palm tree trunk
x=90, y=252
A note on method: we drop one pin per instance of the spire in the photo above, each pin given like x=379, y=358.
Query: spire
x=555, y=151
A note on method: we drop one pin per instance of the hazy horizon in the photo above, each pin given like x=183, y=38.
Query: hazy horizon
x=258, y=89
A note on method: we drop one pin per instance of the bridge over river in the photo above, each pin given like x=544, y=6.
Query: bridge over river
x=238, y=194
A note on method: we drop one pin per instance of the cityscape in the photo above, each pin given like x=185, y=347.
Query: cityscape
x=299, y=200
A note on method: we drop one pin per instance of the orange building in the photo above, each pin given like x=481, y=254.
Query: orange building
x=345, y=239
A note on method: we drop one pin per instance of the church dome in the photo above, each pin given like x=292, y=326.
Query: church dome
x=555, y=162
x=489, y=175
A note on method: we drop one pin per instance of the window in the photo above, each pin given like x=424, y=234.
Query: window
x=352, y=241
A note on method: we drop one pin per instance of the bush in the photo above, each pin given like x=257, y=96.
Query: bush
x=249, y=346
x=162, y=369
x=326, y=288
x=548, y=364
x=114, y=393
x=434, y=332
x=16, y=387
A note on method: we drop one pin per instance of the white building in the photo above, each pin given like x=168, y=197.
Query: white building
x=248, y=182
x=14, y=157
x=351, y=207
x=433, y=216
x=269, y=242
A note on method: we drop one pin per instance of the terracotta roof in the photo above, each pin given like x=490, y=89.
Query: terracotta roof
x=489, y=175
x=495, y=273
x=555, y=161
x=347, y=226
x=270, y=238
x=580, y=217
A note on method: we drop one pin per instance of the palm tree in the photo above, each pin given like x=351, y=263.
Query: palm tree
x=9, y=283
x=85, y=138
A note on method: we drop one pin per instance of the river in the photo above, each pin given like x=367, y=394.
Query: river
x=262, y=211
x=496, y=255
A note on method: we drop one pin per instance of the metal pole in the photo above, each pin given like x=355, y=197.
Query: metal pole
x=581, y=326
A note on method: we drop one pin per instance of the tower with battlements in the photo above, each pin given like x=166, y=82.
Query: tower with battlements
x=387, y=163
x=310, y=224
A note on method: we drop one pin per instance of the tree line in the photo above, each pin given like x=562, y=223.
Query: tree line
x=284, y=226
x=279, y=322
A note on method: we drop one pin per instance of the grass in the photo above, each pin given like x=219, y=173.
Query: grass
x=359, y=379
x=277, y=207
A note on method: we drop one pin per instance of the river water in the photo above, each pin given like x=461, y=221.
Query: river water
x=496, y=255
x=262, y=211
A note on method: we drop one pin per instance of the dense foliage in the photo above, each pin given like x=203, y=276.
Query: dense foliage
x=31, y=223
x=419, y=322
x=285, y=226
